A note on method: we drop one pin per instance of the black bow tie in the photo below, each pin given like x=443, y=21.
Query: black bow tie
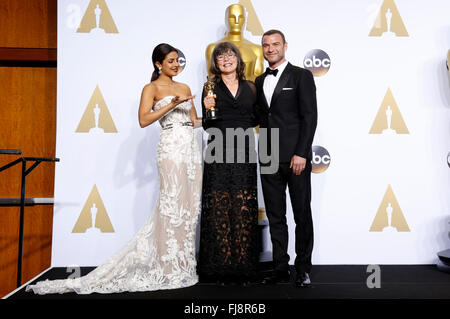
x=270, y=71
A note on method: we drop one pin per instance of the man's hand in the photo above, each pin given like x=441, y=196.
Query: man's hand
x=298, y=164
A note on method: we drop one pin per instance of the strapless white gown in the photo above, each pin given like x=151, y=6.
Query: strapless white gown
x=162, y=253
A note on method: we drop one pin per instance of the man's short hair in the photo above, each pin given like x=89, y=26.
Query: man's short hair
x=273, y=31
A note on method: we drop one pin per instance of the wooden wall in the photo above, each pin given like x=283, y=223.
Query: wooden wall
x=27, y=122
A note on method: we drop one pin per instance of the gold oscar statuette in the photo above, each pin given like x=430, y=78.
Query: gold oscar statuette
x=252, y=54
x=211, y=114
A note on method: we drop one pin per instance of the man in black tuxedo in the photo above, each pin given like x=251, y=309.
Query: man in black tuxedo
x=287, y=101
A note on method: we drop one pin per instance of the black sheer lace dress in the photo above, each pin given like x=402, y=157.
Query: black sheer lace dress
x=229, y=217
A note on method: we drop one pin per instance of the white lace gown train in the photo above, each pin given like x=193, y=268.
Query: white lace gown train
x=162, y=253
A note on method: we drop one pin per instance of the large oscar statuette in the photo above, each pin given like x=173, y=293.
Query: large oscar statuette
x=211, y=114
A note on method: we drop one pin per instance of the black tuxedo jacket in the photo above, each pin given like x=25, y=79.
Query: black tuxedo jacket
x=293, y=110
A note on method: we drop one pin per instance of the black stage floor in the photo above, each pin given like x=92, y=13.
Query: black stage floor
x=329, y=283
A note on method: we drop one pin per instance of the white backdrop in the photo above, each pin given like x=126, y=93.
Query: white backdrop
x=348, y=201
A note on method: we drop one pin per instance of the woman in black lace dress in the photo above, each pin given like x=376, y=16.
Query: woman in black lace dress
x=229, y=219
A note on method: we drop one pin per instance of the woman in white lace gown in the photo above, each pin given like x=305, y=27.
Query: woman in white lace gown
x=162, y=253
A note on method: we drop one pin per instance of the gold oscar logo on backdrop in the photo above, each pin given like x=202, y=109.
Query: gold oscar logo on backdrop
x=389, y=216
x=96, y=118
x=253, y=24
x=389, y=120
x=388, y=23
x=97, y=19
x=93, y=217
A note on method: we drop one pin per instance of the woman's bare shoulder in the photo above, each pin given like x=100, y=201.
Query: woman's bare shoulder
x=149, y=87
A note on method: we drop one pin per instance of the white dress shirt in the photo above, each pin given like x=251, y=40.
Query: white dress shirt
x=270, y=82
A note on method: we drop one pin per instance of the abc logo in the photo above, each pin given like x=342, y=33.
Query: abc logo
x=320, y=159
x=181, y=61
x=317, y=61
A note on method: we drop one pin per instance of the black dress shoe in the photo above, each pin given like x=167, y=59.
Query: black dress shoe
x=275, y=277
x=303, y=280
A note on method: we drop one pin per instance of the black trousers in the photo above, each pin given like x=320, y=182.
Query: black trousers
x=274, y=191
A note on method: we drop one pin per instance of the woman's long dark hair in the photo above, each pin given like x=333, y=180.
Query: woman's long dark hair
x=221, y=48
x=159, y=54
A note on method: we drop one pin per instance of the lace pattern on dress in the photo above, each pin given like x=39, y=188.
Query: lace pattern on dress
x=162, y=253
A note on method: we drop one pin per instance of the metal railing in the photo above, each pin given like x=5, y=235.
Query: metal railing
x=22, y=201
